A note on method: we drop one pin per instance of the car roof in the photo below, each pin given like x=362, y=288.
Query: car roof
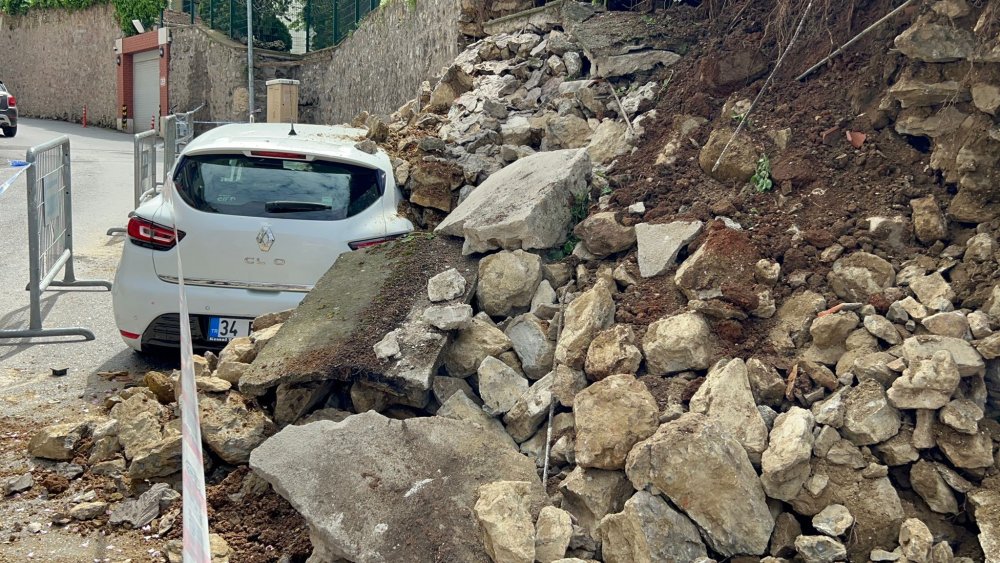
x=326, y=141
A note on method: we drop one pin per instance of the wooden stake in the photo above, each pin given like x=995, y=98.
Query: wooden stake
x=853, y=40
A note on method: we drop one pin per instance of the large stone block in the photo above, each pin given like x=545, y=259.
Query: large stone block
x=707, y=474
x=526, y=205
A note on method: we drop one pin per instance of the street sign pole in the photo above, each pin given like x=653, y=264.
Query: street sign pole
x=250, y=103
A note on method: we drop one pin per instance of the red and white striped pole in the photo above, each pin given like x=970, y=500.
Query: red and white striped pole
x=196, y=547
x=84, y=116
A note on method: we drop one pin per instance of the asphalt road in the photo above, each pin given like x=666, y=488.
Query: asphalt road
x=102, y=197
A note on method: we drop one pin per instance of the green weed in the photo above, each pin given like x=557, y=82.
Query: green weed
x=761, y=179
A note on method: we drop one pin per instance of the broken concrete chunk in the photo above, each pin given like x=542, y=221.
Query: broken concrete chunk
x=449, y=317
x=324, y=467
x=449, y=284
x=462, y=408
x=318, y=345
x=660, y=244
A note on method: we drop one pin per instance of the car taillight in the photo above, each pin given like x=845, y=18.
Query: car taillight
x=359, y=244
x=11, y=101
x=148, y=234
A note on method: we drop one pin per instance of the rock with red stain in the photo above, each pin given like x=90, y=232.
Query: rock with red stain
x=727, y=258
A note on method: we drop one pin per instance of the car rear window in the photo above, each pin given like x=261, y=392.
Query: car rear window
x=236, y=184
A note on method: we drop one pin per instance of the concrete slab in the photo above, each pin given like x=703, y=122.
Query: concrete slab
x=375, y=489
x=363, y=296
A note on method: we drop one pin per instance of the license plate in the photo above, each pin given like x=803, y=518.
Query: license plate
x=222, y=329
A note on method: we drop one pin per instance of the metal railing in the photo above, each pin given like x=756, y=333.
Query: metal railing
x=144, y=178
x=144, y=184
x=178, y=130
x=50, y=235
x=276, y=26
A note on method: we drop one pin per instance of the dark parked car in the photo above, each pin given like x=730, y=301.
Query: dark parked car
x=8, y=112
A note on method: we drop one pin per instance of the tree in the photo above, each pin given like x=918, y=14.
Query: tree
x=146, y=11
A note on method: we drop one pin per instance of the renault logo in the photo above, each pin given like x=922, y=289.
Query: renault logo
x=265, y=238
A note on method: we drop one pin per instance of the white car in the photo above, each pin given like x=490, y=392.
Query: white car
x=261, y=214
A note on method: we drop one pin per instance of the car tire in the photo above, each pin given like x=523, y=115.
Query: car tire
x=9, y=131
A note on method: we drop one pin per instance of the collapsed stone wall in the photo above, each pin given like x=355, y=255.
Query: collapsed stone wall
x=863, y=427
x=382, y=63
x=56, y=61
x=948, y=92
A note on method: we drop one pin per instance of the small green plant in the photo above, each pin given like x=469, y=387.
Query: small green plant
x=761, y=179
x=740, y=117
x=578, y=212
x=649, y=20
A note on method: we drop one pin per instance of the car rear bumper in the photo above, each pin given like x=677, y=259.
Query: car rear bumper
x=8, y=117
x=146, y=308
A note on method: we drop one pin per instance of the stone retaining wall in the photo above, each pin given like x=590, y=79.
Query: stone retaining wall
x=382, y=64
x=55, y=62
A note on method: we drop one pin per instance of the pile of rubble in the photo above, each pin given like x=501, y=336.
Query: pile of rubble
x=864, y=428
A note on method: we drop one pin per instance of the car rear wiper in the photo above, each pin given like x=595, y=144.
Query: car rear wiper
x=293, y=206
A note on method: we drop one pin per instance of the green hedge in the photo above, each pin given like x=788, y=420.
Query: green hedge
x=146, y=11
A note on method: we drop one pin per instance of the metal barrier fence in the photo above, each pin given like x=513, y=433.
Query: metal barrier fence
x=50, y=234
x=178, y=130
x=144, y=183
x=144, y=180
x=325, y=22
